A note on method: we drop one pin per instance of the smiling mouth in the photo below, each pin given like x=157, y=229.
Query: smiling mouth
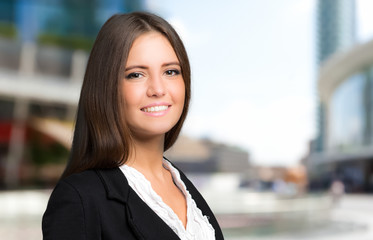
x=155, y=109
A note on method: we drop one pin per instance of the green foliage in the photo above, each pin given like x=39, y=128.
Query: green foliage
x=42, y=153
x=71, y=42
x=8, y=30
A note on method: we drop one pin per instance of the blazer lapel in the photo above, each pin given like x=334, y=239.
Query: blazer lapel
x=145, y=223
x=115, y=183
x=202, y=205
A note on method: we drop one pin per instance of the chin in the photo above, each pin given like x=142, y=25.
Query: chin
x=153, y=131
x=160, y=131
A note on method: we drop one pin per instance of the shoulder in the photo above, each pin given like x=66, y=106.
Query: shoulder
x=65, y=216
x=77, y=188
x=78, y=204
x=85, y=180
x=78, y=184
x=89, y=184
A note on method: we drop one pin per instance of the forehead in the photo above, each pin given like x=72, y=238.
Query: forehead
x=151, y=47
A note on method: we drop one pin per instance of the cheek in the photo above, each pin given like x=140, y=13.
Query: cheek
x=179, y=91
x=131, y=94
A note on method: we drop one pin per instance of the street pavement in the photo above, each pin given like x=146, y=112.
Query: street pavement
x=350, y=219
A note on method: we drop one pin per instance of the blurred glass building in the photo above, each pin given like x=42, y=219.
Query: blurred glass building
x=335, y=32
x=44, y=47
x=346, y=90
x=343, y=149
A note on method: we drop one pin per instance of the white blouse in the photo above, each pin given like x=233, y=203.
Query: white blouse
x=198, y=226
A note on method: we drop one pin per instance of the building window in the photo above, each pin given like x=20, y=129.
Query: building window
x=347, y=115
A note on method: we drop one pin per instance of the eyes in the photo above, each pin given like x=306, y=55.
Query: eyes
x=172, y=72
x=134, y=75
x=138, y=75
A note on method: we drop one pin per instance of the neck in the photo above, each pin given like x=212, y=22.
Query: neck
x=147, y=156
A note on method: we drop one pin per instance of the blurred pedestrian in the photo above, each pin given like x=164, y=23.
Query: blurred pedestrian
x=134, y=100
x=337, y=189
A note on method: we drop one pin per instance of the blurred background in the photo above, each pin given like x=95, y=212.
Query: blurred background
x=279, y=138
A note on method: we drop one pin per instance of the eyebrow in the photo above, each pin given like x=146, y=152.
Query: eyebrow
x=145, y=67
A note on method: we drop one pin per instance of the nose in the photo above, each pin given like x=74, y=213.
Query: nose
x=156, y=87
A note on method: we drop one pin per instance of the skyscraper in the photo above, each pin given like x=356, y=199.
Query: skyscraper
x=336, y=31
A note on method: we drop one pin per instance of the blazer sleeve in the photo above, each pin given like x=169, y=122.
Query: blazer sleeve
x=64, y=216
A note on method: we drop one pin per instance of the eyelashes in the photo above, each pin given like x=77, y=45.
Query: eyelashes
x=138, y=75
x=172, y=72
x=134, y=75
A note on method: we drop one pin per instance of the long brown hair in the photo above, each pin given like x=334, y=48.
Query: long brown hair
x=102, y=138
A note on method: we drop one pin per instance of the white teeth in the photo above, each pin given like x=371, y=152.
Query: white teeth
x=155, y=109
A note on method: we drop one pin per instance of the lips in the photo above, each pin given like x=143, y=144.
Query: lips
x=154, y=109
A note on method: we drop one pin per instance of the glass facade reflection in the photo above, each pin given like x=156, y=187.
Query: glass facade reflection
x=83, y=18
x=351, y=114
x=347, y=115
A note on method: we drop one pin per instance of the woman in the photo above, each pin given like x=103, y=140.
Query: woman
x=134, y=100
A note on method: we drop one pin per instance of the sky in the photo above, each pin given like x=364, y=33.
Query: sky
x=253, y=72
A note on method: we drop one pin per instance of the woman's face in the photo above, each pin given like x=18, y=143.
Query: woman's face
x=153, y=88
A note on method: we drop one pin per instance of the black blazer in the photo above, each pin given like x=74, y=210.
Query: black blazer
x=99, y=204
